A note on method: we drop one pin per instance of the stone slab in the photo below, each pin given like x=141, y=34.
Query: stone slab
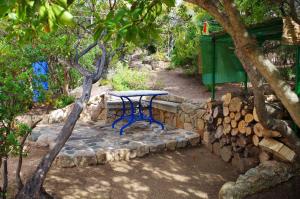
x=97, y=143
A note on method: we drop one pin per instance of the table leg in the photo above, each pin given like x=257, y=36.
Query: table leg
x=151, y=119
x=123, y=114
x=141, y=114
x=131, y=119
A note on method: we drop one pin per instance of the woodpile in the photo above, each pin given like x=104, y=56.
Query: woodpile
x=234, y=132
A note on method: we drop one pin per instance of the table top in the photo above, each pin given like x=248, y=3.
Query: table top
x=133, y=93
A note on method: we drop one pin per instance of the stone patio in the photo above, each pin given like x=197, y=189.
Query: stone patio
x=97, y=143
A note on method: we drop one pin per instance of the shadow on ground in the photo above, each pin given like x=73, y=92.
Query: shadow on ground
x=189, y=173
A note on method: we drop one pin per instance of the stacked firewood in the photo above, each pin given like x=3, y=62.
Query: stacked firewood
x=233, y=129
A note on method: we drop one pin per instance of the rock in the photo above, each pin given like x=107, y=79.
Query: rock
x=34, y=136
x=200, y=124
x=188, y=126
x=171, y=145
x=122, y=154
x=64, y=161
x=244, y=164
x=157, y=146
x=83, y=158
x=101, y=156
x=262, y=177
x=56, y=116
x=188, y=107
x=226, y=153
x=181, y=142
x=147, y=60
x=194, y=141
x=264, y=156
x=175, y=98
x=216, y=148
x=187, y=118
x=45, y=139
x=146, y=67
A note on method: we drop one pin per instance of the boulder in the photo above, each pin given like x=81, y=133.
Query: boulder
x=56, y=116
x=264, y=176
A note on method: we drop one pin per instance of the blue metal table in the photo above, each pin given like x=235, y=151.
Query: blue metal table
x=133, y=116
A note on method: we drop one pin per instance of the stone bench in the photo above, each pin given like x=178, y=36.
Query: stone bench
x=171, y=107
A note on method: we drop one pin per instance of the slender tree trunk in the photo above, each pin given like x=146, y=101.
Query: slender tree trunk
x=66, y=80
x=231, y=21
x=32, y=188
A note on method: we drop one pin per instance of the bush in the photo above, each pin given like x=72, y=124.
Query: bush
x=63, y=101
x=129, y=79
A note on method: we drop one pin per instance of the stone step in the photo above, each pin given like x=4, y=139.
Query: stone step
x=100, y=144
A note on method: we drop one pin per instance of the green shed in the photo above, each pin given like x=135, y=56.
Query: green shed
x=219, y=62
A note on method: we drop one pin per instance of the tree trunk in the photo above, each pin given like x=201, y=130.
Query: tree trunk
x=256, y=66
x=66, y=80
x=32, y=188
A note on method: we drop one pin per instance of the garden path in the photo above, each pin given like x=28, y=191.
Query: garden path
x=191, y=87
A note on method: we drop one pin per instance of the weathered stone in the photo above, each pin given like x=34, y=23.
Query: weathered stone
x=34, y=136
x=45, y=139
x=188, y=126
x=176, y=99
x=216, y=148
x=226, y=153
x=64, y=161
x=200, y=124
x=56, y=116
x=157, y=146
x=83, y=158
x=181, y=142
x=264, y=156
x=187, y=118
x=188, y=107
x=243, y=164
x=179, y=123
x=194, y=141
x=101, y=156
x=166, y=106
x=142, y=150
x=262, y=177
x=171, y=145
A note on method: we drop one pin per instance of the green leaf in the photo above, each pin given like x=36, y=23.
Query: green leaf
x=169, y=3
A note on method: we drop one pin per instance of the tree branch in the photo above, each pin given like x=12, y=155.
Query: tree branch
x=100, y=64
x=220, y=16
x=19, y=166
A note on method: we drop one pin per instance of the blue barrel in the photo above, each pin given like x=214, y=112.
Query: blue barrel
x=40, y=69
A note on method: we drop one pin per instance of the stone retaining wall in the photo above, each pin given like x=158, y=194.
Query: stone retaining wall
x=172, y=110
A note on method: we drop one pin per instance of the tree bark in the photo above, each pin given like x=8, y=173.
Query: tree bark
x=248, y=48
x=256, y=67
x=33, y=188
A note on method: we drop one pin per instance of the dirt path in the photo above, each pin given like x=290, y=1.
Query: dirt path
x=178, y=83
x=190, y=173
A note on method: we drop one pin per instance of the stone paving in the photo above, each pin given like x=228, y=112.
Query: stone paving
x=97, y=143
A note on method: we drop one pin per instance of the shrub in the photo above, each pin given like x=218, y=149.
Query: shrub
x=63, y=101
x=129, y=79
